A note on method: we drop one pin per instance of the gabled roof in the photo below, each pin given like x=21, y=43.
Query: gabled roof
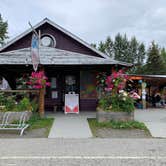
x=53, y=56
x=46, y=20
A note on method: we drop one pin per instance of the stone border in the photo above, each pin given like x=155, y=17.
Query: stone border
x=103, y=116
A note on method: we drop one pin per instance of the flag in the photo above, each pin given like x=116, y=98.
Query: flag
x=35, y=51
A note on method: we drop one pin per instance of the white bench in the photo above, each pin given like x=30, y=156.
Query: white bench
x=21, y=126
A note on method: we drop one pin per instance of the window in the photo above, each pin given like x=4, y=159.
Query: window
x=48, y=41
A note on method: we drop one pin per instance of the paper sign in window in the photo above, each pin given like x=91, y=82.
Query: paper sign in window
x=54, y=94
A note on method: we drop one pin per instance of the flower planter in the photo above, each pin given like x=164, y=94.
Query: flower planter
x=15, y=116
x=103, y=116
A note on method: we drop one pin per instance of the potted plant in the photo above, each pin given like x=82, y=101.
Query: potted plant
x=116, y=104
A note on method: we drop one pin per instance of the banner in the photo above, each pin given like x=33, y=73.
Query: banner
x=35, y=51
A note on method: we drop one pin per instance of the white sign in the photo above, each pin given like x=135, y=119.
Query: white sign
x=71, y=103
x=35, y=51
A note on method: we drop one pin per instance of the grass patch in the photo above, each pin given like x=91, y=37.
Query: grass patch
x=94, y=125
x=36, y=122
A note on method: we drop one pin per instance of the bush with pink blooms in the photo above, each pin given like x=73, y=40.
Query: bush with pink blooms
x=116, y=82
x=38, y=80
x=116, y=99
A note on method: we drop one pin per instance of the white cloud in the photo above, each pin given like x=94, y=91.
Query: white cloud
x=92, y=20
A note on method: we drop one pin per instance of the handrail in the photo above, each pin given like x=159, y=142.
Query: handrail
x=21, y=91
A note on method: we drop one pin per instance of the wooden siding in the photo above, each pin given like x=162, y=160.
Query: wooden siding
x=63, y=41
x=88, y=104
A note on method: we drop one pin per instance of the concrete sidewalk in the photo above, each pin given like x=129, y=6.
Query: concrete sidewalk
x=71, y=126
x=154, y=119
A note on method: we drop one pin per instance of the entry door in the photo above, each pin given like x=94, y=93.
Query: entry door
x=70, y=84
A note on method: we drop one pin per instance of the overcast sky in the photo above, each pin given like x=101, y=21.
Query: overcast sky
x=91, y=20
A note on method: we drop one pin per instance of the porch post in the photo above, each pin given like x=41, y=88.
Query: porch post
x=41, y=98
x=144, y=94
x=41, y=102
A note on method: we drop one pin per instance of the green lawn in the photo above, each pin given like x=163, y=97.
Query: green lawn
x=36, y=122
x=94, y=125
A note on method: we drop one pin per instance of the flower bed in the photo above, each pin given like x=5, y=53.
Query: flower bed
x=116, y=104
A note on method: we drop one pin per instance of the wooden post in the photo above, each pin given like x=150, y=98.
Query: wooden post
x=41, y=97
x=144, y=95
x=41, y=102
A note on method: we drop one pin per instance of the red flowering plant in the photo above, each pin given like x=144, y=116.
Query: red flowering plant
x=116, y=99
x=38, y=80
x=116, y=82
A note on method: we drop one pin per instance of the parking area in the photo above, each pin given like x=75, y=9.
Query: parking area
x=154, y=119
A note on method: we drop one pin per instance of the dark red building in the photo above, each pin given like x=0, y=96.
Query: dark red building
x=64, y=57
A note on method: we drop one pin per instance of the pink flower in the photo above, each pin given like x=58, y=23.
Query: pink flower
x=108, y=89
x=115, y=75
x=37, y=86
x=29, y=83
x=38, y=80
x=48, y=84
x=108, y=80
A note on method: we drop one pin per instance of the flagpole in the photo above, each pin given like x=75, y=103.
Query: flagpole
x=33, y=29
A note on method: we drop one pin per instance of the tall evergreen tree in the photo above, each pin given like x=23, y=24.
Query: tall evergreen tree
x=118, y=47
x=141, y=55
x=123, y=49
x=163, y=55
x=155, y=63
x=126, y=49
x=101, y=47
x=109, y=50
x=133, y=48
x=3, y=30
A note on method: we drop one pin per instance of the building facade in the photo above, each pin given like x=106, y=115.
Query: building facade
x=70, y=63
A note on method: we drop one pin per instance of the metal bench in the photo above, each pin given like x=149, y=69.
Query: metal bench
x=21, y=126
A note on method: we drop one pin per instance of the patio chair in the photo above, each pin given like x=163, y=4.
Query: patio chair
x=21, y=126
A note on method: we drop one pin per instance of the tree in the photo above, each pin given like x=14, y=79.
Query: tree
x=109, y=44
x=141, y=54
x=139, y=61
x=107, y=47
x=123, y=49
x=118, y=47
x=163, y=55
x=101, y=47
x=155, y=63
x=3, y=30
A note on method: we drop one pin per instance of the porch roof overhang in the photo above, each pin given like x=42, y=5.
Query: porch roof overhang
x=53, y=56
x=147, y=77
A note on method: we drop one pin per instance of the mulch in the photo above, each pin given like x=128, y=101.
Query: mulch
x=35, y=133
x=122, y=133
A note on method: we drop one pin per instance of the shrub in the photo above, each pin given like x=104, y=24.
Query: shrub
x=121, y=103
x=105, y=102
x=34, y=105
x=10, y=103
x=24, y=105
x=116, y=99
